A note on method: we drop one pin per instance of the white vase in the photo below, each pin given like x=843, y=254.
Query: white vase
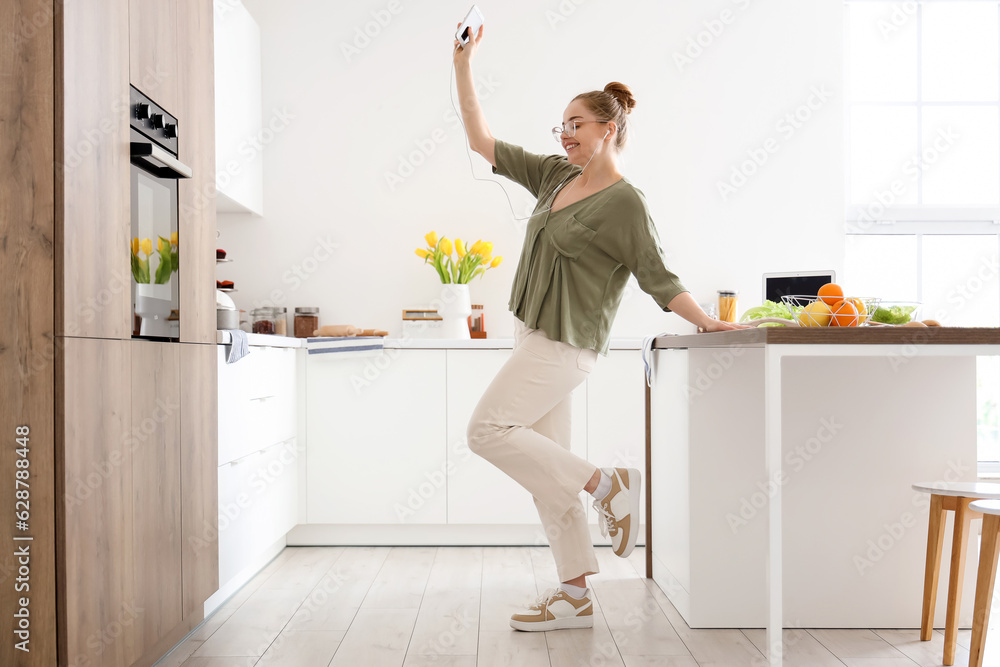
x=152, y=304
x=454, y=306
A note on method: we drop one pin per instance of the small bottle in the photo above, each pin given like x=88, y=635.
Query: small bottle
x=727, y=305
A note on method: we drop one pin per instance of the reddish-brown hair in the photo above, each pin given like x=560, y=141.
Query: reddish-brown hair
x=614, y=103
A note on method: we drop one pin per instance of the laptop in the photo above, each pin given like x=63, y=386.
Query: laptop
x=777, y=285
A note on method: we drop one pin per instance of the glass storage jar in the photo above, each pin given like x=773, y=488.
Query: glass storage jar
x=306, y=321
x=262, y=320
x=727, y=305
x=280, y=320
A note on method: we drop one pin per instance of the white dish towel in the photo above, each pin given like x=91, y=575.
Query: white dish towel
x=239, y=345
x=647, y=354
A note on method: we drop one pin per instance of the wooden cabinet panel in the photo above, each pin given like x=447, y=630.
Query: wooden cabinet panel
x=156, y=466
x=199, y=478
x=95, y=448
x=196, y=195
x=153, y=46
x=26, y=339
x=92, y=273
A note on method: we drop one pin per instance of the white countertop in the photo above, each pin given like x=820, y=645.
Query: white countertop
x=486, y=343
x=223, y=337
x=268, y=340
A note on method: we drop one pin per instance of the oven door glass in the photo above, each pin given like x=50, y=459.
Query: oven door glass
x=155, y=294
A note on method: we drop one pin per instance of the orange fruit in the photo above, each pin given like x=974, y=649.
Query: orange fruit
x=830, y=293
x=844, y=314
x=859, y=305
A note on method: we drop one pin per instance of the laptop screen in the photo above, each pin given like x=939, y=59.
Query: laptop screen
x=777, y=285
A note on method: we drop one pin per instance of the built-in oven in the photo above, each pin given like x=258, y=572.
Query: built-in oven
x=155, y=262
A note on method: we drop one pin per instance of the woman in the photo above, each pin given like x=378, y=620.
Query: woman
x=591, y=229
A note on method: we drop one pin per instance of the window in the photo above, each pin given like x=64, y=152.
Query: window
x=923, y=167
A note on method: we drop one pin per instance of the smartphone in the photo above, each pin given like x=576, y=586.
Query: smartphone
x=470, y=26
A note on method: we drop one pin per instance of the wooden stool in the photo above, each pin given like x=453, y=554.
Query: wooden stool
x=988, y=550
x=956, y=497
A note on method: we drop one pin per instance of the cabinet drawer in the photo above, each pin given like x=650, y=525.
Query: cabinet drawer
x=271, y=371
x=258, y=504
x=257, y=402
x=271, y=419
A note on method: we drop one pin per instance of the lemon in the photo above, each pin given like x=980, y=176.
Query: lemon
x=816, y=314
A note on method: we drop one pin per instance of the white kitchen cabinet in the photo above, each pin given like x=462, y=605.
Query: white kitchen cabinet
x=616, y=417
x=854, y=432
x=257, y=401
x=258, y=505
x=387, y=459
x=478, y=492
x=258, y=460
x=376, y=438
x=240, y=135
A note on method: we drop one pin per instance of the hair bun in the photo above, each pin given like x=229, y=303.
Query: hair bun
x=623, y=94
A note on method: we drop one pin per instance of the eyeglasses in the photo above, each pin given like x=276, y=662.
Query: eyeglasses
x=569, y=128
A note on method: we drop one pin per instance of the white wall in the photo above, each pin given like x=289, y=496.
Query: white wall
x=345, y=120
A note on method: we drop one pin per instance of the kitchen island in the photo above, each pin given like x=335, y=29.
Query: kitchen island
x=781, y=460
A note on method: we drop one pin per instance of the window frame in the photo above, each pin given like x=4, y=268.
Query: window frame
x=871, y=215
x=873, y=218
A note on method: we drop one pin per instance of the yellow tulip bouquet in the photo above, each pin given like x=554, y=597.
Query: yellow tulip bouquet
x=167, y=251
x=471, y=262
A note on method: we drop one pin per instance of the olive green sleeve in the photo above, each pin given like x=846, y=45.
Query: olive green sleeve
x=526, y=168
x=642, y=254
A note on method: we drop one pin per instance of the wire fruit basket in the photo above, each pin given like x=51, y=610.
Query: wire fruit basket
x=846, y=312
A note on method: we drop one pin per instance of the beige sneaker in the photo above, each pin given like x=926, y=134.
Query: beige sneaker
x=618, y=513
x=555, y=610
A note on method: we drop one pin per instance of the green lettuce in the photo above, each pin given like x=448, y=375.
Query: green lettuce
x=893, y=314
x=768, y=309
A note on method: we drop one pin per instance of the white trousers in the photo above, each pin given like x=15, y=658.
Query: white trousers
x=522, y=426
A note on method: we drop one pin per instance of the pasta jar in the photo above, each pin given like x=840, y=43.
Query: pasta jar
x=306, y=321
x=727, y=305
x=280, y=320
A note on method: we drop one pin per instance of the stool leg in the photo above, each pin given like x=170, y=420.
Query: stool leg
x=985, y=581
x=935, y=542
x=963, y=515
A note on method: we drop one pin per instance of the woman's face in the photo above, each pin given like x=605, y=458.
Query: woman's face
x=590, y=136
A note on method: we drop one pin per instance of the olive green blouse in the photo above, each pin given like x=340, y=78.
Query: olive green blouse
x=575, y=262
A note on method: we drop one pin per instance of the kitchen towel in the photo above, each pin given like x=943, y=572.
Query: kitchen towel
x=647, y=354
x=239, y=345
x=359, y=346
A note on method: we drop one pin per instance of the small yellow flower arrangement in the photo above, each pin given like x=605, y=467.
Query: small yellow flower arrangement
x=470, y=262
x=167, y=251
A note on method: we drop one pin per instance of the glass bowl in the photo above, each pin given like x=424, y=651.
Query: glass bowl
x=897, y=312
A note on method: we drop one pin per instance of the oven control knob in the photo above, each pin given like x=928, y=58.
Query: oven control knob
x=157, y=120
x=170, y=131
x=142, y=111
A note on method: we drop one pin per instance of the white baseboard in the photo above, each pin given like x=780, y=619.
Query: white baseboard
x=227, y=589
x=428, y=535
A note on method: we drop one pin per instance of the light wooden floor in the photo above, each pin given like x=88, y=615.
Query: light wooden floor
x=449, y=606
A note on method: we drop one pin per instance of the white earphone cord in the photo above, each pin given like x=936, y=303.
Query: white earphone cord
x=468, y=150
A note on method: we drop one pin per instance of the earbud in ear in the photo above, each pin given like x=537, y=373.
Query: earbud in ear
x=606, y=134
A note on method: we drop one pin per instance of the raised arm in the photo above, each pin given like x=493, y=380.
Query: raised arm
x=480, y=139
